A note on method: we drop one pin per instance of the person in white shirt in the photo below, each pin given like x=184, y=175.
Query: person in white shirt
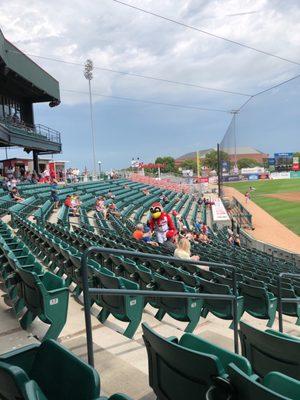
x=184, y=250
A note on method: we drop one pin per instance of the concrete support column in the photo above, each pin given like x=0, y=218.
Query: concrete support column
x=35, y=155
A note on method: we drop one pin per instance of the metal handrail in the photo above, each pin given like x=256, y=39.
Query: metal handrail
x=284, y=300
x=37, y=129
x=117, y=292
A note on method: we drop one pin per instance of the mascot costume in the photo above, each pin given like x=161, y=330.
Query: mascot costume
x=160, y=222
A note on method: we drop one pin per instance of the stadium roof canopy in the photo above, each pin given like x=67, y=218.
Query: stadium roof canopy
x=21, y=76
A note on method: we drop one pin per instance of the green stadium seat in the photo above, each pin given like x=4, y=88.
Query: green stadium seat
x=291, y=309
x=188, y=368
x=282, y=335
x=268, y=352
x=274, y=386
x=15, y=384
x=259, y=303
x=45, y=297
x=186, y=310
x=220, y=308
x=124, y=308
x=48, y=372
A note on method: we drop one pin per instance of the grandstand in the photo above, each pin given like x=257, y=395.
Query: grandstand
x=89, y=312
x=43, y=288
x=22, y=84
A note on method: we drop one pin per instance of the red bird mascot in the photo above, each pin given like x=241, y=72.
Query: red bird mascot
x=160, y=222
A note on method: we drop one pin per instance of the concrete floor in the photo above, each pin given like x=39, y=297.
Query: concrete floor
x=121, y=362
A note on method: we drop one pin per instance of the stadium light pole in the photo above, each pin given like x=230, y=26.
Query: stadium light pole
x=88, y=74
x=99, y=165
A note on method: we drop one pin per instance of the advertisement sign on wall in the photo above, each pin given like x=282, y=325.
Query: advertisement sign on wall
x=253, y=177
x=295, y=174
x=280, y=175
x=231, y=178
x=271, y=161
x=254, y=170
x=203, y=179
x=283, y=155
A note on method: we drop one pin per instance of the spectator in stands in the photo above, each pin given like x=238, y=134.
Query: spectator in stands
x=110, y=195
x=15, y=195
x=183, y=250
x=198, y=226
x=71, y=203
x=5, y=184
x=147, y=234
x=204, y=229
x=112, y=210
x=170, y=243
x=203, y=238
x=138, y=233
x=100, y=206
x=237, y=241
x=163, y=199
x=54, y=193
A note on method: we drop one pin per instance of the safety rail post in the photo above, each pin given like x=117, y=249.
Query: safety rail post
x=87, y=290
x=284, y=300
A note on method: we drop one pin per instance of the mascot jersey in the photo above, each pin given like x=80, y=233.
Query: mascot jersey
x=160, y=222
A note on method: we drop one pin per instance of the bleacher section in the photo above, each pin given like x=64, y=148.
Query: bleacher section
x=40, y=270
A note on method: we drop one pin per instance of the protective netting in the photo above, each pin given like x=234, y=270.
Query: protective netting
x=263, y=137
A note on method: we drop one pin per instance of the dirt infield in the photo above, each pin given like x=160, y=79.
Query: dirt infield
x=288, y=196
x=267, y=228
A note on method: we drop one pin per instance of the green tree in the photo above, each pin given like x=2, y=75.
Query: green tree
x=169, y=163
x=297, y=154
x=247, y=163
x=211, y=159
x=189, y=164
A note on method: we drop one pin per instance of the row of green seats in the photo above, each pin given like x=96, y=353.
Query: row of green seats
x=31, y=291
x=193, y=368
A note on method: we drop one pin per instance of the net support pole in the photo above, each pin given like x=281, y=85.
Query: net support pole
x=219, y=169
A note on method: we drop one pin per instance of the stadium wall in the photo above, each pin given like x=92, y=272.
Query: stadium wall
x=249, y=242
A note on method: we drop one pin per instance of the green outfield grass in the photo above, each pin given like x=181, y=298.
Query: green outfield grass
x=287, y=212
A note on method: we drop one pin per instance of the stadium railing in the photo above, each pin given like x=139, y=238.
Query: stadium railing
x=148, y=293
x=243, y=215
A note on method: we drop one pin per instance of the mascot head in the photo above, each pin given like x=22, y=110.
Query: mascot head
x=156, y=210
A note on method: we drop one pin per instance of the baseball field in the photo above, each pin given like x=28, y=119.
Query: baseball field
x=280, y=198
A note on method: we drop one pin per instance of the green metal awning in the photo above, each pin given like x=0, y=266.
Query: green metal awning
x=46, y=88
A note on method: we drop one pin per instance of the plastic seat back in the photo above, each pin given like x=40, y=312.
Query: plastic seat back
x=174, y=305
x=61, y=375
x=268, y=352
x=216, y=306
x=12, y=379
x=247, y=388
x=177, y=373
x=255, y=298
x=114, y=304
x=31, y=291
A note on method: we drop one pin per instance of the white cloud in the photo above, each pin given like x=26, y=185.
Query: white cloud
x=121, y=38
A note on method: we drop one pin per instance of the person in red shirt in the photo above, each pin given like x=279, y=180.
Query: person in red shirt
x=160, y=222
x=68, y=201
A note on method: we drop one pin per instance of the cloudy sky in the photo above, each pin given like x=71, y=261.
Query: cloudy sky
x=119, y=38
